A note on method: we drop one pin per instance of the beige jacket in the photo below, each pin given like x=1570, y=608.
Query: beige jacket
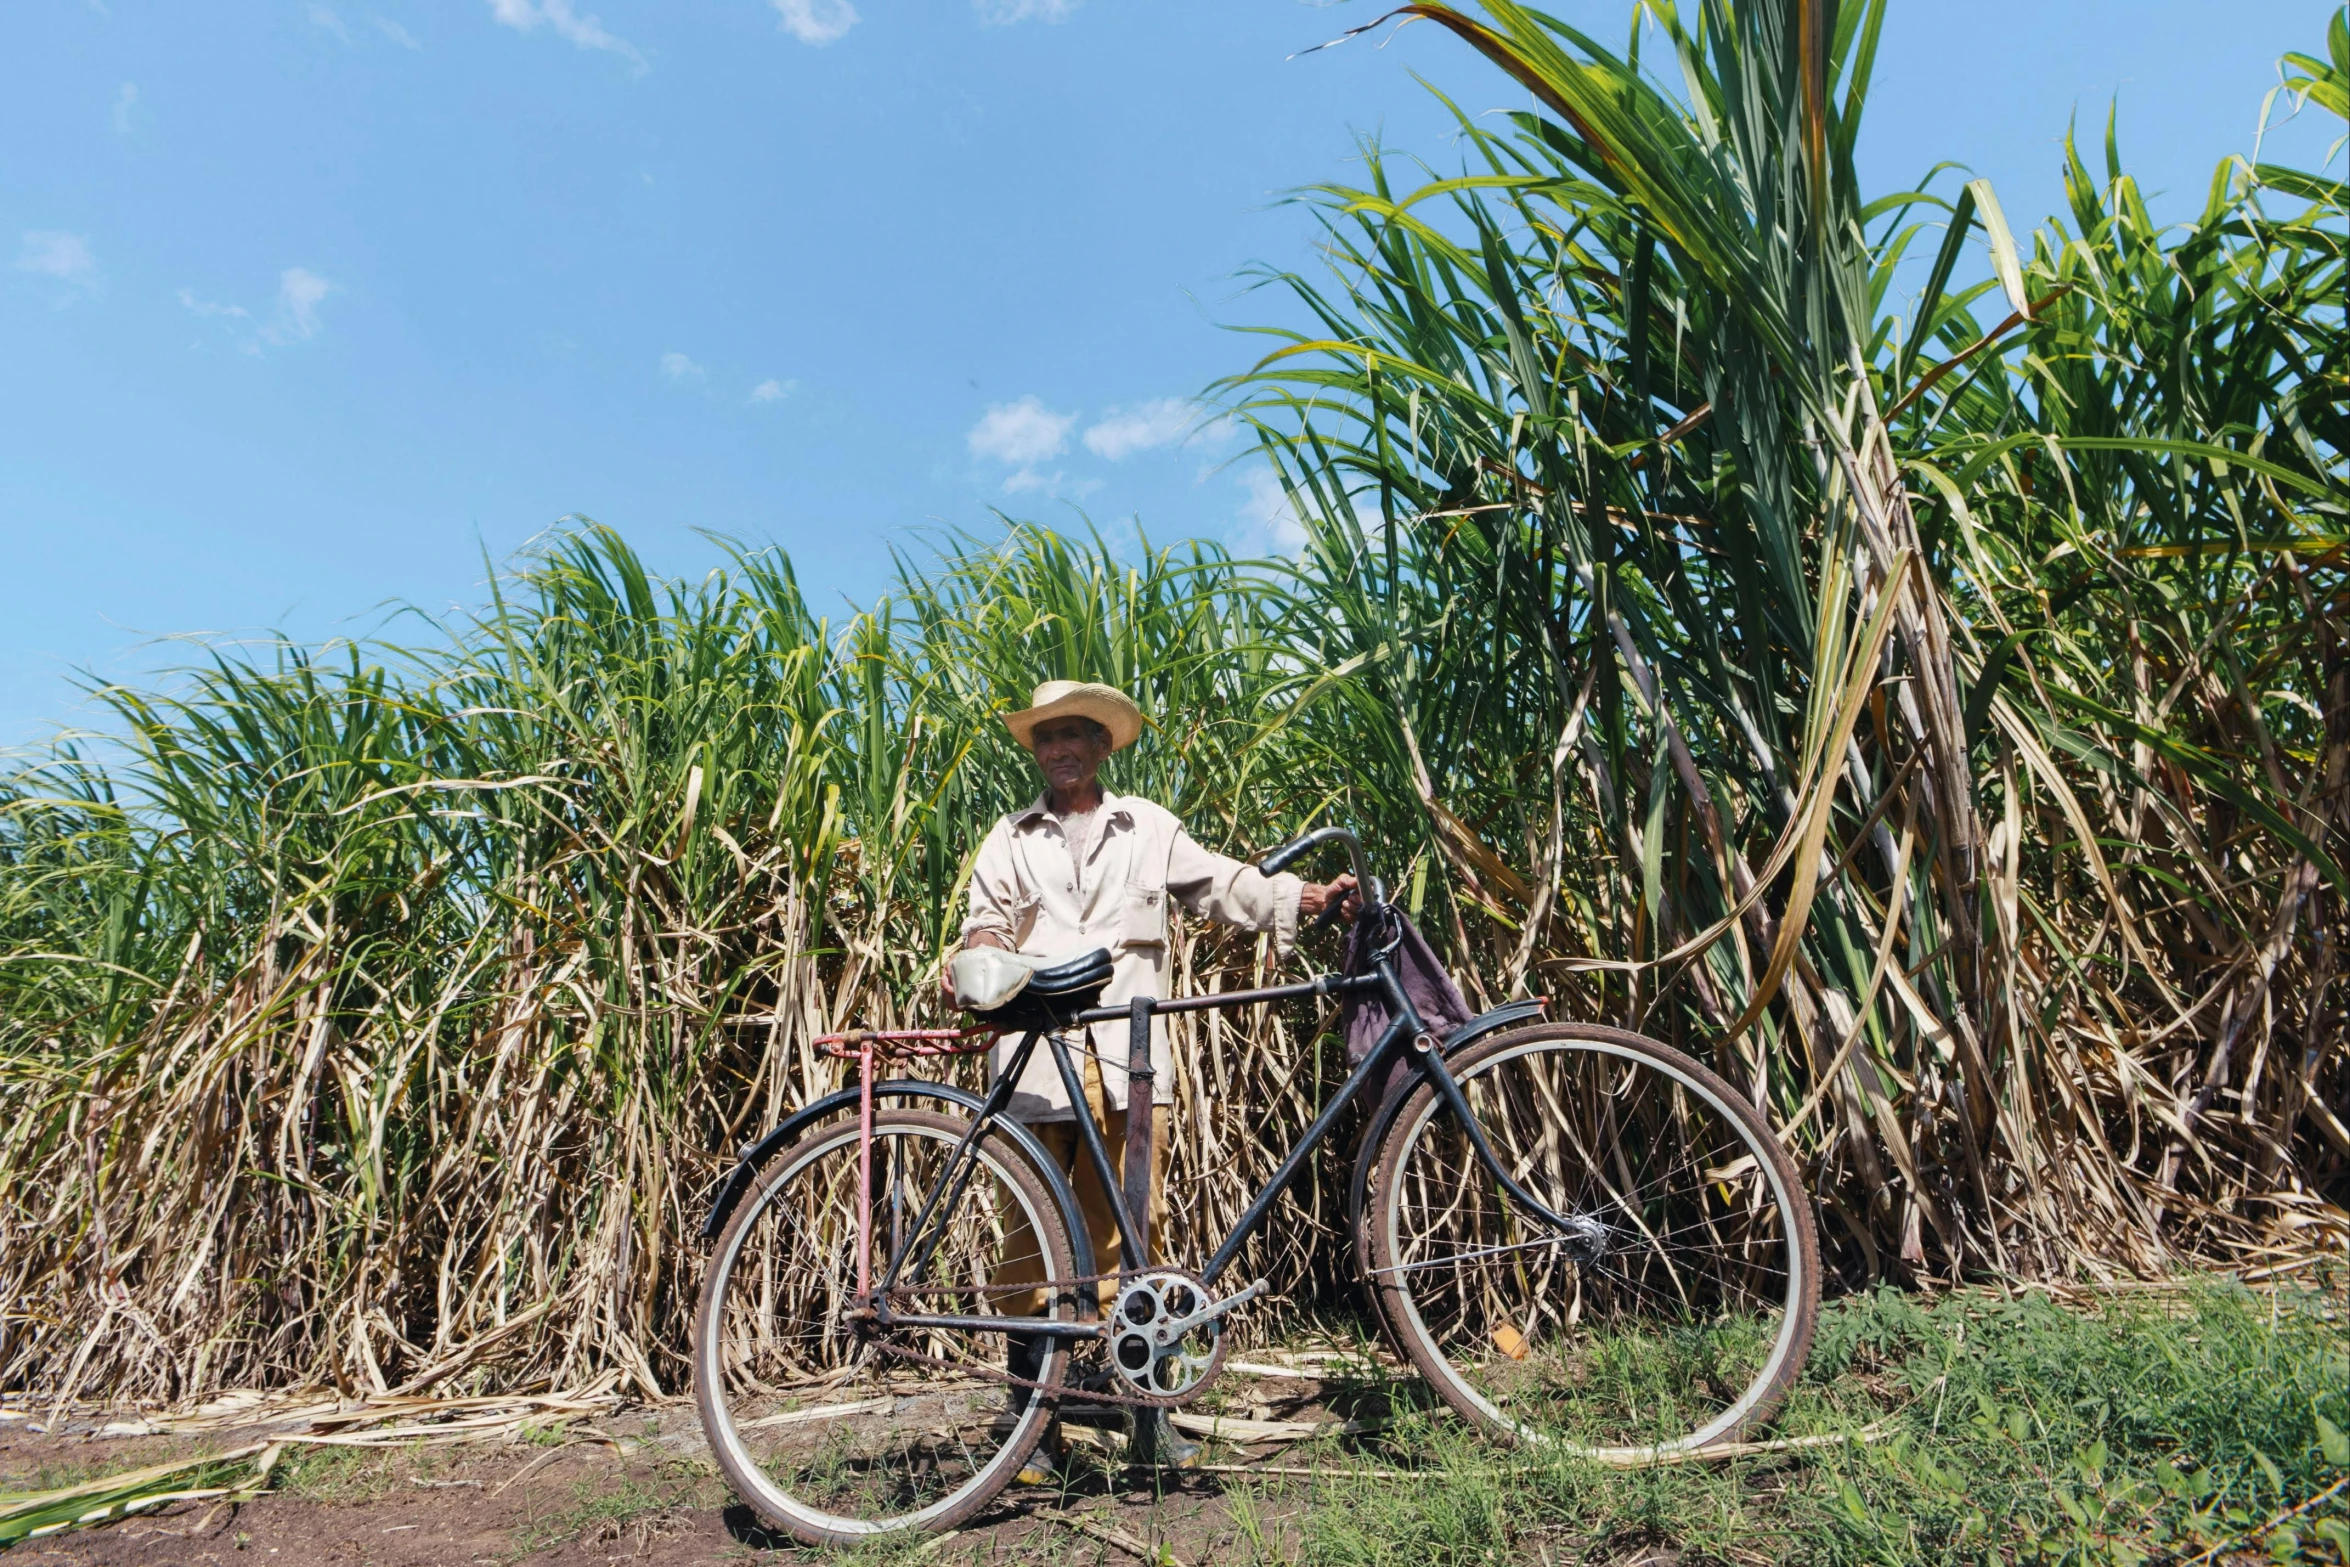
x=1025, y=889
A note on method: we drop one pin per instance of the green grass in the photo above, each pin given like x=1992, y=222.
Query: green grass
x=2016, y=1431
x=337, y=1474
x=605, y=1511
x=324, y=1473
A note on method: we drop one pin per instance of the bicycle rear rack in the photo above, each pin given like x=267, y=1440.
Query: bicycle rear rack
x=861, y=1045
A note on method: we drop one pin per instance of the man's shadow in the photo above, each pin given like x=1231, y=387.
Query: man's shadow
x=1080, y=1481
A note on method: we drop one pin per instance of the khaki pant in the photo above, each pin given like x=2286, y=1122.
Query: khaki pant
x=1023, y=1259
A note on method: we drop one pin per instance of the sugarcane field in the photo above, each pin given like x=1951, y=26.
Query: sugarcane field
x=1302, y=784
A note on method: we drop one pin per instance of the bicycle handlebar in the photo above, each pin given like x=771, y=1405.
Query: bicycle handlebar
x=1290, y=853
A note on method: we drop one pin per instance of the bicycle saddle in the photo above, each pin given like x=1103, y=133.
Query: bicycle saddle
x=1053, y=995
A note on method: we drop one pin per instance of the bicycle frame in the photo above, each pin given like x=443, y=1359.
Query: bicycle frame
x=911, y=1256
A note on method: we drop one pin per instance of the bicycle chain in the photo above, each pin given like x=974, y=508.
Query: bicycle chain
x=1058, y=1389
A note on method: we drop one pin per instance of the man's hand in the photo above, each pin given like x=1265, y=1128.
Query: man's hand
x=1313, y=898
x=978, y=938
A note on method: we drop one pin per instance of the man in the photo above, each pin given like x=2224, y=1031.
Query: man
x=1082, y=868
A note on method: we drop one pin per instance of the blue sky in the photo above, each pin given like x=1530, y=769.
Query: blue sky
x=308, y=304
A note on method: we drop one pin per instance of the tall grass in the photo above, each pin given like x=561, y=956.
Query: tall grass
x=390, y=1022
x=1952, y=742
x=2003, y=657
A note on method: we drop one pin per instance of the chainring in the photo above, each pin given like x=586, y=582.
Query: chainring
x=1161, y=1369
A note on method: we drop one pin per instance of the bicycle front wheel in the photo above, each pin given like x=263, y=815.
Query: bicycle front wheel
x=837, y=1431
x=1677, y=1319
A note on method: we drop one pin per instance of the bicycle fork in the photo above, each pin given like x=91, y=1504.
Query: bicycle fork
x=1586, y=1237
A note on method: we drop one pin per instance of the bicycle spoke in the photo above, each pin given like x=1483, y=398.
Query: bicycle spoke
x=1666, y=1323
x=883, y=1438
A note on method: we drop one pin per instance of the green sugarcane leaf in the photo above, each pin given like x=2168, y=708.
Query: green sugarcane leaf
x=1978, y=703
x=1652, y=838
x=1962, y=217
x=2004, y=260
x=2207, y=770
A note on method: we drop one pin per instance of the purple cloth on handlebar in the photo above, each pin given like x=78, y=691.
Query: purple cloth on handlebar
x=1364, y=1015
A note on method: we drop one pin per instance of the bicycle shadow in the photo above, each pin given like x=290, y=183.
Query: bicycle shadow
x=747, y=1530
x=1356, y=1406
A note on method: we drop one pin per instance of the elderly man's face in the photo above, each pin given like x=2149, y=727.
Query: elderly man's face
x=1070, y=751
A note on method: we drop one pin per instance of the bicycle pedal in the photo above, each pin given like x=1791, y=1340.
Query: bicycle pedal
x=1087, y=1413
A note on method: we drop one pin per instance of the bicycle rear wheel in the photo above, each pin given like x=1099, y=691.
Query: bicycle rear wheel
x=837, y=1432
x=1681, y=1322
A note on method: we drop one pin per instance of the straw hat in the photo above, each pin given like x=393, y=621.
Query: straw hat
x=1107, y=706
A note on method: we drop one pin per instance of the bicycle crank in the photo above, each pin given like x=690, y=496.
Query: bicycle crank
x=1166, y=1332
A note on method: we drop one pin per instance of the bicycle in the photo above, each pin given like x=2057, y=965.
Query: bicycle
x=1578, y=1236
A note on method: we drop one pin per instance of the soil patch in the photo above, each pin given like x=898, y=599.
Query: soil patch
x=639, y=1488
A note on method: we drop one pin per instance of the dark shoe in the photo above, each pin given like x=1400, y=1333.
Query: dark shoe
x=1023, y=1357
x=1040, y=1467
x=1157, y=1445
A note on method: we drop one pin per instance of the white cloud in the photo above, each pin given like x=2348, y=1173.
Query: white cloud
x=816, y=21
x=1021, y=433
x=679, y=368
x=1268, y=523
x=586, y=31
x=773, y=391
x=126, y=98
x=205, y=307
x=1215, y=435
x=324, y=16
x=299, y=291
x=53, y=253
x=294, y=318
x=1003, y=13
x=1124, y=431
x=396, y=33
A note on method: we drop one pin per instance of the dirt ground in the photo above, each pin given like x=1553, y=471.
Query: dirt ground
x=637, y=1487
